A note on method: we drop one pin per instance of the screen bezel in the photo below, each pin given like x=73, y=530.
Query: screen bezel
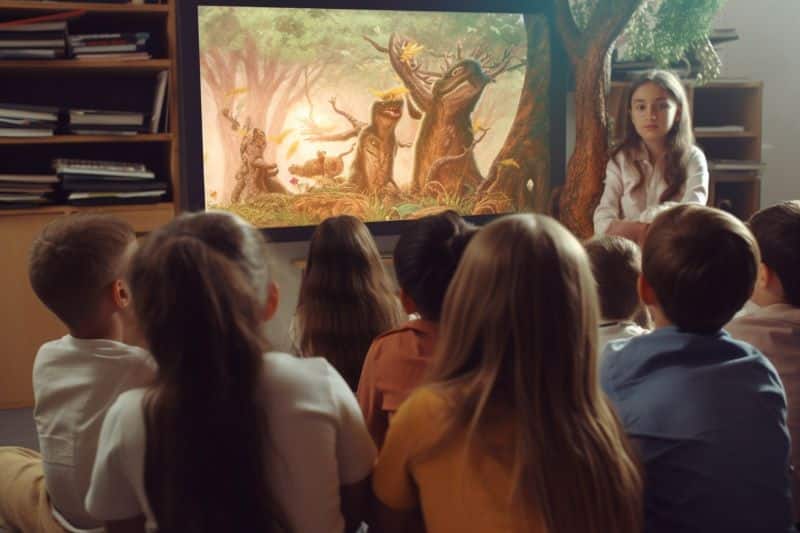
x=191, y=138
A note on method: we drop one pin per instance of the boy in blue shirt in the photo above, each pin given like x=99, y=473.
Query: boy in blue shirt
x=707, y=412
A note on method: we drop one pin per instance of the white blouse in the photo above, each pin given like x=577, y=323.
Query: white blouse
x=619, y=202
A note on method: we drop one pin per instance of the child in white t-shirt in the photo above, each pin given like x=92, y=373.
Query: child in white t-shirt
x=230, y=436
x=77, y=269
x=616, y=265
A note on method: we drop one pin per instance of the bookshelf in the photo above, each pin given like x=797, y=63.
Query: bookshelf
x=95, y=84
x=735, y=108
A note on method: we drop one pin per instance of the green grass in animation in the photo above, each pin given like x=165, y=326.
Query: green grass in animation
x=277, y=210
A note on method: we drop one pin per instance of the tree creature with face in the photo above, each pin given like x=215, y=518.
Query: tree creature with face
x=373, y=166
x=255, y=175
x=445, y=142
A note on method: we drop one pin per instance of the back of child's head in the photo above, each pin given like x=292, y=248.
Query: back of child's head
x=183, y=276
x=200, y=284
x=616, y=265
x=701, y=264
x=346, y=296
x=426, y=257
x=777, y=230
x=517, y=345
x=73, y=261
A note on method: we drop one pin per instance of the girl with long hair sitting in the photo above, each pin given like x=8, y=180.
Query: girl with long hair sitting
x=656, y=160
x=230, y=436
x=513, y=432
x=346, y=297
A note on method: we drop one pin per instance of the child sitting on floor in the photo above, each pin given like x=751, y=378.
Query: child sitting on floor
x=77, y=269
x=616, y=266
x=425, y=258
x=708, y=412
x=774, y=325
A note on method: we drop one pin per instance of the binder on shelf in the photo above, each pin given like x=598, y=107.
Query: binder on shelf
x=158, y=101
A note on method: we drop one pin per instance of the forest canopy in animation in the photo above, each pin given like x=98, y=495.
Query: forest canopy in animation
x=309, y=113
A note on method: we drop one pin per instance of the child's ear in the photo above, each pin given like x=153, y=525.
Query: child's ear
x=273, y=299
x=408, y=304
x=763, y=276
x=646, y=293
x=120, y=294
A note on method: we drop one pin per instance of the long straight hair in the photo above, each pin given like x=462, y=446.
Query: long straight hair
x=680, y=138
x=518, y=336
x=200, y=284
x=346, y=297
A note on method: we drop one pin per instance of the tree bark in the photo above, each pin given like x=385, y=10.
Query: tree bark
x=219, y=72
x=525, y=155
x=588, y=53
x=586, y=167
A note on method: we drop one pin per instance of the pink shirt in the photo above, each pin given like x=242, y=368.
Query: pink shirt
x=775, y=331
x=619, y=202
x=394, y=367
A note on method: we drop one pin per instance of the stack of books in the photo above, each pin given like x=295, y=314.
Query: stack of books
x=17, y=120
x=38, y=40
x=101, y=122
x=90, y=182
x=26, y=190
x=116, y=46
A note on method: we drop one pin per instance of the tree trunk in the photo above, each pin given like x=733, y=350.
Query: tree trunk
x=219, y=73
x=442, y=136
x=586, y=168
x=525, y=155
x=588, y=52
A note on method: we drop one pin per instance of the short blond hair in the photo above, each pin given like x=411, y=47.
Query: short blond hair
x=73, y=259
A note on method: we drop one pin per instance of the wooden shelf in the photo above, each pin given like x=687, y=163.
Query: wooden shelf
x=49, y=66
x=64, y=209
x=80, y=139
x=725, y=134
x=89, y=7
x=746, y=176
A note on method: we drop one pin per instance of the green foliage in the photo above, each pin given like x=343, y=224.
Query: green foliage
x=664, y=31
x=304, y=36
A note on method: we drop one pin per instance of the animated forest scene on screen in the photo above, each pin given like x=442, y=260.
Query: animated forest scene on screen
x=384, y=115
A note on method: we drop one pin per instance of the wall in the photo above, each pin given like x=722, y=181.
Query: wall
x=768, y=50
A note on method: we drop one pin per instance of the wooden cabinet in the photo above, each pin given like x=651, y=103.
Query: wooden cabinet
x=100, y=84
x=727, y=117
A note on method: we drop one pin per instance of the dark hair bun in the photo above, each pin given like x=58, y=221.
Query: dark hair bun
x=426, y=257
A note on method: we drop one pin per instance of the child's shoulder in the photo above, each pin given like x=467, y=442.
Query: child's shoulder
x=412, y=328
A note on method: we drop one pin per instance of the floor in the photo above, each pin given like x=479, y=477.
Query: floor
x=17, y=428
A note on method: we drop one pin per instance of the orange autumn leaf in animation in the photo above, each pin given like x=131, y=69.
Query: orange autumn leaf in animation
x=391, y=94
x=509, y=163
x=278, y=139
x=409, y=51
x=292, y=149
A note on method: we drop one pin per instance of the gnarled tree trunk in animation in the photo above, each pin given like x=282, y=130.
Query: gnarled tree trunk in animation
x=443, y=151
x=373, y=166
x=589, y=53
x=525, y=155
x=218, y=70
